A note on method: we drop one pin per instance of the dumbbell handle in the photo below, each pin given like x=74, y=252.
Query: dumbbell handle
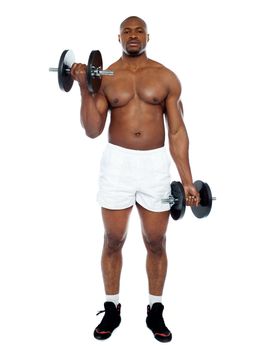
x=214, y=198
x=95, y=72
x=171, y=200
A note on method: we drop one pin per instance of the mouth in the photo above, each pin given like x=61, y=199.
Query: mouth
x=133, y=43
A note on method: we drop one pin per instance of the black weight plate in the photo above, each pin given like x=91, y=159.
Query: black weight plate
x=204, y=208
x=65, y=79
x=177, y=211
x=94, y=62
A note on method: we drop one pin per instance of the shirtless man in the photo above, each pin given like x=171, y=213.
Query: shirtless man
x=135, y=165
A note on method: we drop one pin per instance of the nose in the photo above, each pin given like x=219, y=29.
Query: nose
x=133, y=35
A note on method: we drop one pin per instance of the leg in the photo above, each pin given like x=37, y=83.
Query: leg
x=115, y=224
x=154, y=226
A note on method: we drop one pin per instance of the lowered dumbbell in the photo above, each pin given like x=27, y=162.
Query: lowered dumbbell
x=93, y=75
x=206, y=199
x=178, y=203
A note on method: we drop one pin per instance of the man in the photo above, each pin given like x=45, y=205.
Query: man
x=135, y=165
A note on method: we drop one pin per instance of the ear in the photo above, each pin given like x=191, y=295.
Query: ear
x=119, y=38
x=148, y=37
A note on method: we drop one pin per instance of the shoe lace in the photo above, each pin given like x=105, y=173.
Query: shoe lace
x=100, y=312
x=108, y=319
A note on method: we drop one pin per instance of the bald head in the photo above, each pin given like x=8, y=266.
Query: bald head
x=133, y=36
x=133, y=18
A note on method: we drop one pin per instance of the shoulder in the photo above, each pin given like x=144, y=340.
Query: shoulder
x=168, y=77
x=172, y=80
x=115, y=65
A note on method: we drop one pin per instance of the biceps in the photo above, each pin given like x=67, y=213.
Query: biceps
x=101, y=105
x=174, y=116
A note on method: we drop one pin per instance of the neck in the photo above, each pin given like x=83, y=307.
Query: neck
x=134, y=61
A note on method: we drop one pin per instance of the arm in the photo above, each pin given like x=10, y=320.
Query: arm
x=94, y=108
x=178, y=139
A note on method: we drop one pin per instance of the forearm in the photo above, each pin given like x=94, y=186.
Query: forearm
x=92, y=121
x=179, y=149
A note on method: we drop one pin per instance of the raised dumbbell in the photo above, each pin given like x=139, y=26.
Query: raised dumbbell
x=177, y=200
x=93, y=75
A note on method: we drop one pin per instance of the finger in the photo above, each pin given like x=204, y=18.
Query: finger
x=78, y=70
x=73, y=69
x=197, y=199
x=190, y=200
x=193, y=200
x=82, y=68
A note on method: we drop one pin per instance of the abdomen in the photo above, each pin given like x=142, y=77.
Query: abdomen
x=137, y=128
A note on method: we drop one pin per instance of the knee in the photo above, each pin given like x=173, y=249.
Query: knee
x=114, y=242
x=156, y=245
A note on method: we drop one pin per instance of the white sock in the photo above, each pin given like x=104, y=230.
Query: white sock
x=155, y=299
x=114, y=298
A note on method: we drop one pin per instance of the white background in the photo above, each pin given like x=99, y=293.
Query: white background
x=51, y=228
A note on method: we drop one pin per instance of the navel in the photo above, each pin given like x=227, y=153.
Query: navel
x=137, y=134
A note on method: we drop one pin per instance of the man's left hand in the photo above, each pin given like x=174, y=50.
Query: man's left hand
x=192, y=196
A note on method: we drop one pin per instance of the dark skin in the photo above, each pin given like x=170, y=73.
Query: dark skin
x=141, y=96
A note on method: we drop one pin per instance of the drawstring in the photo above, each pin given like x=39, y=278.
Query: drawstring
x=100, y=312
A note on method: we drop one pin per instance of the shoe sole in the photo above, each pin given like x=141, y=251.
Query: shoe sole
x=159, y=337
x=104, y=335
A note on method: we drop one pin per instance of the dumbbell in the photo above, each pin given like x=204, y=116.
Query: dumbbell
x=93, y=75
x=177, y=200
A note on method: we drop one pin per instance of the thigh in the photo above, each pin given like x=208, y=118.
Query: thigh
x=155, y=182
x=154, y=224
x=116, y=180
x=116, y=222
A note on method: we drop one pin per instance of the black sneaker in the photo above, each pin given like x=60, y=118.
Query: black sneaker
x=156, y=323
x=110, y=321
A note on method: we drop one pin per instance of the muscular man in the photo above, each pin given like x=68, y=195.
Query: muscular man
x=135, y=165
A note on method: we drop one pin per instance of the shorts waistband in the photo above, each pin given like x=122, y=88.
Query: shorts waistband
x=124, y=150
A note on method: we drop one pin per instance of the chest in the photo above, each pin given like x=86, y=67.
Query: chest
x=144, y=85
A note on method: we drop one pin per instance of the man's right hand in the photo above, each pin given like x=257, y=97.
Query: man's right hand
x=78, y=72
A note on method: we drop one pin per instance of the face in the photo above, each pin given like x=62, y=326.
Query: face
x=133, y=37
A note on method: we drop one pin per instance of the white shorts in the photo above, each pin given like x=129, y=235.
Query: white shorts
x=128, y=176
